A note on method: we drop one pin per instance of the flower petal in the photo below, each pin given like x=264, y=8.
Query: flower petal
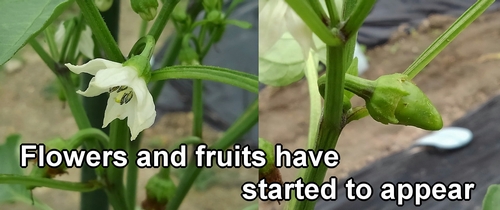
x=59, y=35
x=271, y=24
x=115, y=77
x=86, y=44
x=136, y=127
x=114, y=110
x=140, y=90
x=300, y=31
x=93, y=66
x=92, y=90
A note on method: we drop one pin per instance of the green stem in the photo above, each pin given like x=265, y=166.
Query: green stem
x=89, y=133
x=72, y=54
x=69, y=32
x=100, y=30
x=162, y=18
x=43, y=55
x=338, y=60
x=197, y=108
x=242, y=125
x=49, y=36
x=118, y=139
x=73, y=101
x=306, y=12
x=239, y=79
x=442, y=41
x=359, y=86
x=50, y=183
x=169, y=60
x=191, y=140
x=132, y=171
x=358, y=16
x=333, y=12
x=143, y=29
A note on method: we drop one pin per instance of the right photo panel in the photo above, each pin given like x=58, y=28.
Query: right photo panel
x=387, y=104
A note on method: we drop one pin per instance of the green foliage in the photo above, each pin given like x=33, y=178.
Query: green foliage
x=10, y=165
x=24, y=19
x=492, y=199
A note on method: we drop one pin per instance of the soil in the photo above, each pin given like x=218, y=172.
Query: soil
x=458, y=80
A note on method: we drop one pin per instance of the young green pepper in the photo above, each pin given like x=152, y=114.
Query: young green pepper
x=395, y=99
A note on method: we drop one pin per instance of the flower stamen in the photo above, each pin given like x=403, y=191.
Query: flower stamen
x=124, y=94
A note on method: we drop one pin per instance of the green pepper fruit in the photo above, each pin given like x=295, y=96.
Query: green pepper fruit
x=145, y=8
x=397, y=100
x=159, y=190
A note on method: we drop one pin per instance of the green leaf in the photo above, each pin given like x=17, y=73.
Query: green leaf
x=10, y=165
x=492, y=199
x=283, y=64
x=21, y=20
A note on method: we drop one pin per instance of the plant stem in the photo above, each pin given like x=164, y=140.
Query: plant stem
x=444, y=39
x=162, y=18
x=50, y=183
x=306, y=12
x=358, y=16
x=143, y=29
x=106, y=34
x=197, y=108
x=169, y=60
x=333, y=12
x=118, y=139
x=339, y=59
x=43, y=55
x=49, y=36
x=239, y=79
x=359, y=86
x=89, y=133
x=242, y=125
x=100, y=29
x=132, y=171
x=74, y=103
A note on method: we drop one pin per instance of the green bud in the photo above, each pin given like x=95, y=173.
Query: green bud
x=103, y=5
x=215, y=16
x=159, y=191
x=49, y=172
x=268, y=148
x=397, y=100
x=188, y=56
x=145, y=8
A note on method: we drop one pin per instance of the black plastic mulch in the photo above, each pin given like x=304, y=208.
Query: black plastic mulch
x=477, y=162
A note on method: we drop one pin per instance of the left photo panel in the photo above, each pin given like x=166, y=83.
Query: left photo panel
x=128, y=105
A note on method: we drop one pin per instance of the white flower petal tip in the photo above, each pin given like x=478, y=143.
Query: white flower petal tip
x=93, y=66
x=276, y=17
x=447, y=138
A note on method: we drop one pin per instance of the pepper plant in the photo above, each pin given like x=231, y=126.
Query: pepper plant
x=326, y=31
x=112, y=94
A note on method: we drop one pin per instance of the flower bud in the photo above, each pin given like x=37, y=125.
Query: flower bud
x=103, y=5
x=269, y=172
x=159, y=191
x=397, y=100
x=188, y=56
x=145, y=8
x=49, y=172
